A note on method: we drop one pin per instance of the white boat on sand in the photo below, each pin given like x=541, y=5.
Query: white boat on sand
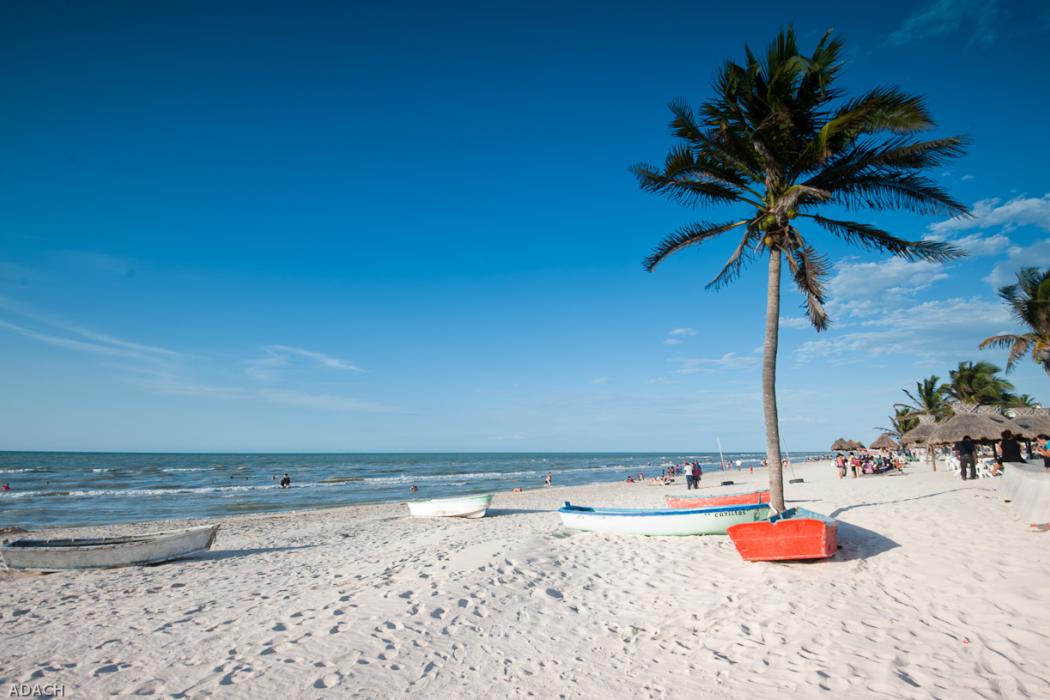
x=58, y=554
x=458, y=507
x=645, y=521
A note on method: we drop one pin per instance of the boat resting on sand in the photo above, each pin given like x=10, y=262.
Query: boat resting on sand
x=646, y=521
x=795, y=534
x=458, y=507
x=728, y=499
x=58, y=554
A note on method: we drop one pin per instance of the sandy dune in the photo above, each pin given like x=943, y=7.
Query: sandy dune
x=937, y=592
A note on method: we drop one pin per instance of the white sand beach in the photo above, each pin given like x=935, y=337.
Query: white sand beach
x=937, y=591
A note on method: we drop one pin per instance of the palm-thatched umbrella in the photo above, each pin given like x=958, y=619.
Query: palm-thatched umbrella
x=920, y=436
x=840, y=445
x=1033, y=421
x=980, y=427
x=854, y=445
x=884, y=442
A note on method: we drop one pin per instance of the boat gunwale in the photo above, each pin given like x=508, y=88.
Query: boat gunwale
x=570, y=509
x=67, y=544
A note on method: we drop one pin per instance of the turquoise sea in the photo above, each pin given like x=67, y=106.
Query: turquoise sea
x=66, y=488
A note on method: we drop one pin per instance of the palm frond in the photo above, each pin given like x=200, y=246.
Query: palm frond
x=877, y=239
x=809, y=271
x=688, y=235
x=731, y=270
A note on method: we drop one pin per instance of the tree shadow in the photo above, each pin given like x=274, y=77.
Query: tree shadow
x=839, y=511
x=220, y=554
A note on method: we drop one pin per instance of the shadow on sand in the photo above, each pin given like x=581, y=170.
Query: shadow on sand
x=220, y=554
x=496, y=512
x=840, y=511
x=857, y=542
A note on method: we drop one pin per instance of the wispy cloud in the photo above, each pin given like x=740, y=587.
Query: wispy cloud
x=672, y=341
x=730, y=360
x=795, y=322
x=600, y=380
x=941, y=17
x=75, y=337
x=683, y=331
x=276, y=357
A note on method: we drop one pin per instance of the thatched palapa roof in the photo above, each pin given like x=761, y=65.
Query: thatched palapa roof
x=920, y=434
x=980, y=427
x=840, y=444
x=1033, y=421
x=854, y=445
x=884, y=442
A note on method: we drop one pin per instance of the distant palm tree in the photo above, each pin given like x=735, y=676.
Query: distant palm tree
x=901, y=422
x=1029, y=300
x=774, y=139
x=1022, y=400
x=930, y=398
x=979, y=383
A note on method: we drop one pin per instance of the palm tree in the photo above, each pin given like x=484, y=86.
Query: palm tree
x=979, y=383
x=930, y=398
x=777, y=138
x=901, y=422
x=1029, y=300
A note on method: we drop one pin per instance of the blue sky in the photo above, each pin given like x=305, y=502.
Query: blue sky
x=330, y=227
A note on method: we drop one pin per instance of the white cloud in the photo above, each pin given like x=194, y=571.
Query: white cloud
x=683, y=331
x=1035, y=255
x=967, y=178
x=989, y=213
x=600, y=380
x=672, y=341
x=730, y=360
x=861, y=289
x=930, y=330
x=977, y=245
x=278, y=356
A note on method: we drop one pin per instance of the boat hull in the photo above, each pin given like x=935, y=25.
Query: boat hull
x=796, y=534
x=677, y=522
x=729, y=499
x=106, y=552
x=461, y=507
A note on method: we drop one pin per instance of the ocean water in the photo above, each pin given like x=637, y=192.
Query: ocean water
x=51, y=489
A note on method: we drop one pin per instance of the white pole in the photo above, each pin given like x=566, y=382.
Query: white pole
x=721, y=461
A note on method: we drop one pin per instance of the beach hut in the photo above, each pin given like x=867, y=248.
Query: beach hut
x=855, y=445
x=884, y=442
x=840, y=445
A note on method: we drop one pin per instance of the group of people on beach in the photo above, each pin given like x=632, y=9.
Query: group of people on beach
x=1009, y=450
x=861, y=463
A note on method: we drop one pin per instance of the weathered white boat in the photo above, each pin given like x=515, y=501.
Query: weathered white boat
x=644, y=521
x=458, y=507
x=106, y=552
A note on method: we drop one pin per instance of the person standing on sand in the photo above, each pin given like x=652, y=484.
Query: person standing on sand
x=548, y=480
x=966, y=450
x=698, y=472
x=689, y=480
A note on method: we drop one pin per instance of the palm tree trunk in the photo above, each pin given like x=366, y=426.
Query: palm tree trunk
x=769, y=384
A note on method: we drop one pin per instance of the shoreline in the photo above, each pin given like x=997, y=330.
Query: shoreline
x=365, y=601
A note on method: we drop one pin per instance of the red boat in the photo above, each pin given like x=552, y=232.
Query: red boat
x=729, y=499
x=796, y=533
